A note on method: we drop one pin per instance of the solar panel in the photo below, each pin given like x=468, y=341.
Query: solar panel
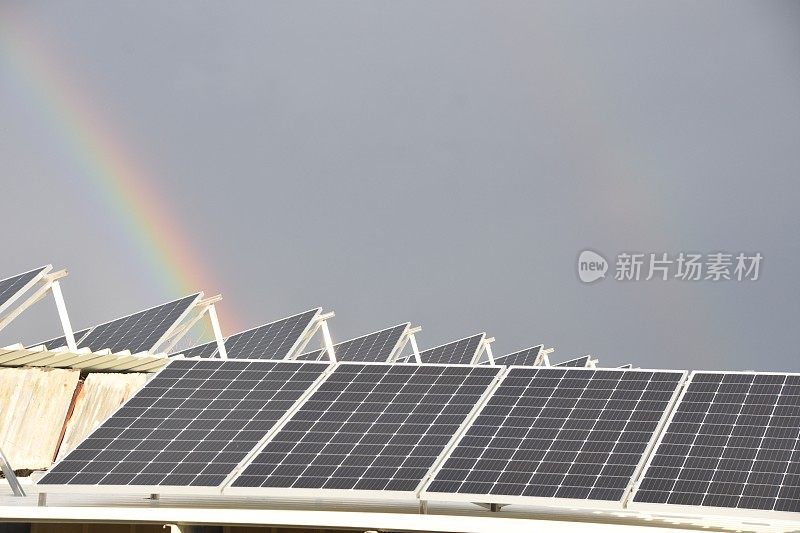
x=11, y=288
x=270, y=341
x=459, y=352
x=579, y=362
x=139, y=331
x=577, y=434
x=733, y=442
x=525, y=357
x=316, y=355
x=205, y=351
x=60, y=342
x=368, y=427
x=375, y=347
x=190, y=426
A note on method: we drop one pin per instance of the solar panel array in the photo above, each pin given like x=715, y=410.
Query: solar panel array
x=525, y=357
x=374, y=427
x=269, y=341
x=190, y=426
x=137, y=332
x=733, y=442
x=558, y=433
x=562, y=432
x=579, y=362
x=9, y=287
x=458, y=352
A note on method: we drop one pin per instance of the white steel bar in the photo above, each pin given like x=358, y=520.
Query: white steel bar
x=326, y=335
x=413, y=340
x=40, y=293
x=58, y=296
x=170, y=333
x=8, y=472
x=212, y=316
x=489, y=354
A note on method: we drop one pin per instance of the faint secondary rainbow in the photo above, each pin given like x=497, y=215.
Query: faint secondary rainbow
x=106, y=167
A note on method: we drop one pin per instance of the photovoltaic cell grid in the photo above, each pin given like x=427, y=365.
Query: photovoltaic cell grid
x=458, y=352
x=136, y=332
x=579, y=362
x=376, y=347
x=189, y=426
x=559, y=433
x=60, y=342
x=316, y=355
x=11, y=286
x=139, y=331
x=370, y=427
x=521, y=358
x=732, y=442
x=206, y=350
x=270, y=341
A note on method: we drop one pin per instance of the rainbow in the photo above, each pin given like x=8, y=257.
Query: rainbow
x=123, y=186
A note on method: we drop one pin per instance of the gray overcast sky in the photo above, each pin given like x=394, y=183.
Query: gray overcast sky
x=439, y=162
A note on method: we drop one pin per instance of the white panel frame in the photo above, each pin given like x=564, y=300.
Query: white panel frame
x=553, y=501
x=47, y=281
x=544, y=357
x=43, y=270
x=201, y=308
x=175, y=325
x=485, y=346
x=313, y=327
x=407, y=337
